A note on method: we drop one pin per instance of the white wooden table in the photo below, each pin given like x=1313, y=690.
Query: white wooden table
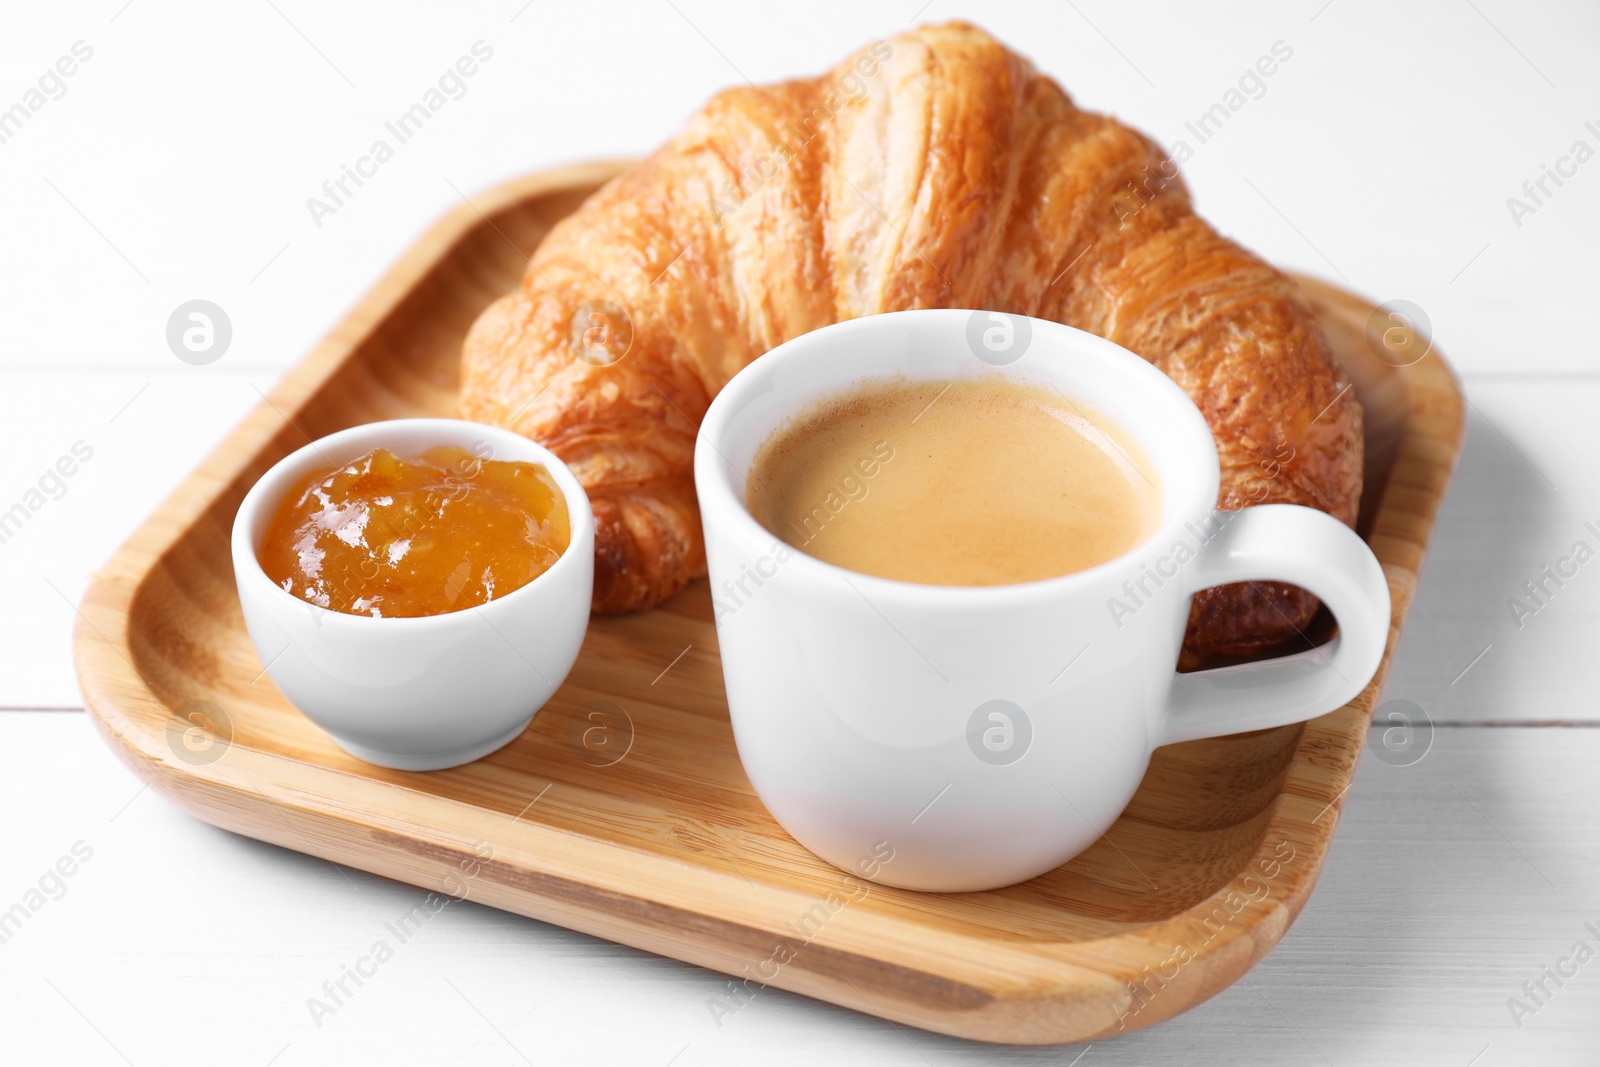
x=175, y=163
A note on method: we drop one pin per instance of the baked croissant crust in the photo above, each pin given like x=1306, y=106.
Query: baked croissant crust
x=934, y=169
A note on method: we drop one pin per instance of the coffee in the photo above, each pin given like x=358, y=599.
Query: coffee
x=984, y=481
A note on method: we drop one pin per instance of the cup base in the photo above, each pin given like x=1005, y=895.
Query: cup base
x=431, y=761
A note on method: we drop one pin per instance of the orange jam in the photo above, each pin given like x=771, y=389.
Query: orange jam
x=391, y=537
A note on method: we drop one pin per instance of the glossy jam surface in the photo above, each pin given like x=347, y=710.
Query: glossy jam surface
x=397, y=538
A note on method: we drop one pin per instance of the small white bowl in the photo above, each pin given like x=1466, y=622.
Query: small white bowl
x=433, y=691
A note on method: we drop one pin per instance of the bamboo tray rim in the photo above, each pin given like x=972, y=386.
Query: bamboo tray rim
x=604, y=888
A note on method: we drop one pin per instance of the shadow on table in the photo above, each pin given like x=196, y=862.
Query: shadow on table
x=1459, y=651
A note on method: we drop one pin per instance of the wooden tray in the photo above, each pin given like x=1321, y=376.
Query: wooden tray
x=623, y=811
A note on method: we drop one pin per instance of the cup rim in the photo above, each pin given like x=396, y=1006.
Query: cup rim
x=269, y=489
x=713, y=479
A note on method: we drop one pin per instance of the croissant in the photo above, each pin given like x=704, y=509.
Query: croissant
x=933, y=169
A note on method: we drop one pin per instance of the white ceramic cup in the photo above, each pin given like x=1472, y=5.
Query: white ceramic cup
x=989, y=734
x=433, y=691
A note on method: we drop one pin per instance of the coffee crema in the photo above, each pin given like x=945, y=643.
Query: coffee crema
x=975, y=481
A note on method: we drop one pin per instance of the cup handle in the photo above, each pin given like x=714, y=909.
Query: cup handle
x=1286, y=543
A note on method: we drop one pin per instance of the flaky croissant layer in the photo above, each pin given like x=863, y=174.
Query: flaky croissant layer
x=934, y=169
